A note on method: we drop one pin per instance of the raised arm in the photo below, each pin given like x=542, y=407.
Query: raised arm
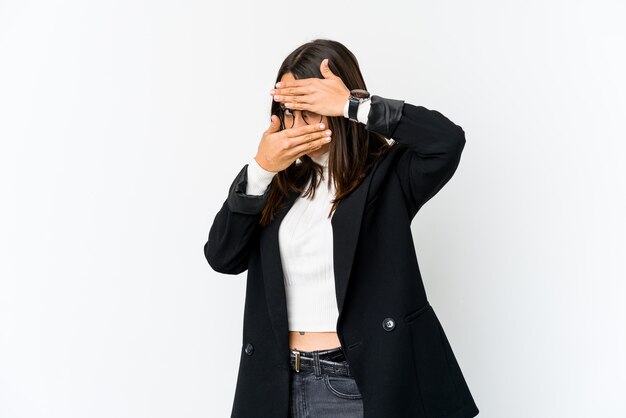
x=235, y=227
x=433, y=147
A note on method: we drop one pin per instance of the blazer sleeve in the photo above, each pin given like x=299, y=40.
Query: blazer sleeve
x=433, y=147
x=235, y=229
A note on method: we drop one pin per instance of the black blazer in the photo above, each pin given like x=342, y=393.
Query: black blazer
x=399, y=354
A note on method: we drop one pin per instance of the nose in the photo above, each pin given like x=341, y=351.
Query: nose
x=298, y=120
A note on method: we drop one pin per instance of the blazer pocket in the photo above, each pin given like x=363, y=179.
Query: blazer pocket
x=435, y=377
x=413, y=315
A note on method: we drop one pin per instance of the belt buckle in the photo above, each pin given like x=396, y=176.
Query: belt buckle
x=297, y=360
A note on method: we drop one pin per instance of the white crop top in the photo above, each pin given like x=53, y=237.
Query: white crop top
x=305, y=239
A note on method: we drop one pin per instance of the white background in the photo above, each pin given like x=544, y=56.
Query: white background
x=123, y=123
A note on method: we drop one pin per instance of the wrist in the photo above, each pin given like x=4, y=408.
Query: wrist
x=258, y=179
x=362, y=112
x=355, y=102
x=259, y=168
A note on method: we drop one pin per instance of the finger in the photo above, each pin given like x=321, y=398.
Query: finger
x=310, y=137
x=296, y=99
x=307, y=147
x=294, y=83
x=274, y=124
x=325, y=70
x=302, y=130
x=293, y=91
x=298, y=106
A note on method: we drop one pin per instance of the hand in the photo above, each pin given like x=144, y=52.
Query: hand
x=327, y=96
x=280, y=148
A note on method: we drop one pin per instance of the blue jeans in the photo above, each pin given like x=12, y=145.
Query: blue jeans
x=323, y=387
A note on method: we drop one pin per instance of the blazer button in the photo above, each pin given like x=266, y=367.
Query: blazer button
x=249, y=349
x=389, y=324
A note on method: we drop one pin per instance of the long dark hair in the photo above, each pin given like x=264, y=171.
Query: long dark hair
x=353, y=149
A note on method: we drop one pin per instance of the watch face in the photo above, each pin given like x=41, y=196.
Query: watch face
x=360, y=93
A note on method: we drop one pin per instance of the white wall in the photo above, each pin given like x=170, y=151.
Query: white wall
x=123, y=123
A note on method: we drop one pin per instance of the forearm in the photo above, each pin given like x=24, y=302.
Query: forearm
x=420, y=129
x=235, y=228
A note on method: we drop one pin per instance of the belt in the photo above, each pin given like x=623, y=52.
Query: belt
x=331, y=361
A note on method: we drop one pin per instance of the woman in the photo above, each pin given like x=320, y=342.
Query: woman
x=328, y=201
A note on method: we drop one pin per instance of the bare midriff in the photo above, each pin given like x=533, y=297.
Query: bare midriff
x=311, y=341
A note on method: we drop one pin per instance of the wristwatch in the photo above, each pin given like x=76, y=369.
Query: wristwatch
x=357, y=96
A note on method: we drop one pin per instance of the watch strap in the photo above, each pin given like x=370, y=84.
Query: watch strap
x=353, y=108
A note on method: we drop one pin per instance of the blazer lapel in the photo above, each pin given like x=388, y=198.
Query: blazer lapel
x=273, y=274
x=346, y=223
